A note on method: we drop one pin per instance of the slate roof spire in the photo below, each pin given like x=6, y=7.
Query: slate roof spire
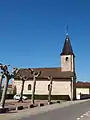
x=67, y=48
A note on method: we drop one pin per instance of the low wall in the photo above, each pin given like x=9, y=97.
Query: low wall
x=53, y=97
x=84, y=96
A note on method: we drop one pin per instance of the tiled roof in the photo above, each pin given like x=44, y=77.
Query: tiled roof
x=45, y=72
x=83, y=85
x=67, y=48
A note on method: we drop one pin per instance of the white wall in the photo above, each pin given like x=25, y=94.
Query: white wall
x=58, y=87
x=18, y=84
x=82, y=91
x=61, y=88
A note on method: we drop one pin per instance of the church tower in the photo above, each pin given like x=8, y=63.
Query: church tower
x=67, y=56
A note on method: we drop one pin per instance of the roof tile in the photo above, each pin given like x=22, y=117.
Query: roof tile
x=45, y=72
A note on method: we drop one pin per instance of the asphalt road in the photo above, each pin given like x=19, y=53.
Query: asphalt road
x=79, y=111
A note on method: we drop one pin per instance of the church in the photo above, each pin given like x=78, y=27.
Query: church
x=64, y=77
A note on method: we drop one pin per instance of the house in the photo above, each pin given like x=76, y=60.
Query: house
x=82, y=90
x=64, y=77
x=11, y=89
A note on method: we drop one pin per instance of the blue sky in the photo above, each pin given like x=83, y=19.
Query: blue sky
x=32, y=33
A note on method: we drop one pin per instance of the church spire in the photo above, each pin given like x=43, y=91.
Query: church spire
x=67, y=48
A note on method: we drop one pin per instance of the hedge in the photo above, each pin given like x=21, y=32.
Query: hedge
x=8, y=96
x=53, y=97
x=42, y=97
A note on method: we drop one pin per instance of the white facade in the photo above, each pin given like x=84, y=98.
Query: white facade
x=58, y=87
x=82, y=91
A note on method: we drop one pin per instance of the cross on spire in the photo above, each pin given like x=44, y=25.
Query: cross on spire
x=67, y=48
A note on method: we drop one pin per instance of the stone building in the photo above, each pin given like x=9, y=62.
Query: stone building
x=64, y=77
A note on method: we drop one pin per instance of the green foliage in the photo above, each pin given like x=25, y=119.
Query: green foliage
x=9, y=96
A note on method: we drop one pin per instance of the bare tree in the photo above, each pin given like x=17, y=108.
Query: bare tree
x=14, y=89
x=1, y=79
x=35, y=76
x=23, y=78
x=8, y=76
x=50, y=89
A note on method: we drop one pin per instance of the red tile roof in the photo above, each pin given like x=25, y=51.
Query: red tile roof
x=83, y=84
x=54, y=72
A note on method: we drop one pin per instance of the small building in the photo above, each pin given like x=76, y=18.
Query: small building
x=64, y=77
x=82, y=90
x=11, y=89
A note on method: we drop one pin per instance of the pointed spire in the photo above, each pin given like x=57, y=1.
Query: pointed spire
x=67, y=48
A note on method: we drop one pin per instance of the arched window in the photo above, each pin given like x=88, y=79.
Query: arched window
x=29, y=87
x=66, y=58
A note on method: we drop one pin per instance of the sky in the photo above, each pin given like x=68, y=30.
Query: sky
x=32, y=33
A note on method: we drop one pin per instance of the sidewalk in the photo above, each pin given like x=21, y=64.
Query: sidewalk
x=25, y=103
x=16, y=115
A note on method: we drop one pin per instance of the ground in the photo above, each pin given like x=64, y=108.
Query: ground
x=71, y=110
x=14, y=103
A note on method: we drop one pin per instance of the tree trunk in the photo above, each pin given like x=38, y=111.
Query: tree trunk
x=33, y=90
x=49, y=96
x=71, y=88
x=21, y=95
x=4, y=93
x=50, y=89
x=1, y=78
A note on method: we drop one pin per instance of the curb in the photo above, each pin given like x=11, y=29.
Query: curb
x=13, y=108
x=32, y=105
x=19, y=108
x=64, y=104
x=41, y=104
x=58, y=102
x=4, y=110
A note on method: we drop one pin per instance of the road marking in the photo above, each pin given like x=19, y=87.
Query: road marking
x=78, y=118
x=81, y=116
x=88, y=115
x=88, y=111
x=84, y=114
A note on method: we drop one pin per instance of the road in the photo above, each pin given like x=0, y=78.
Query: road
x=75, y=110
x=79, y=111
